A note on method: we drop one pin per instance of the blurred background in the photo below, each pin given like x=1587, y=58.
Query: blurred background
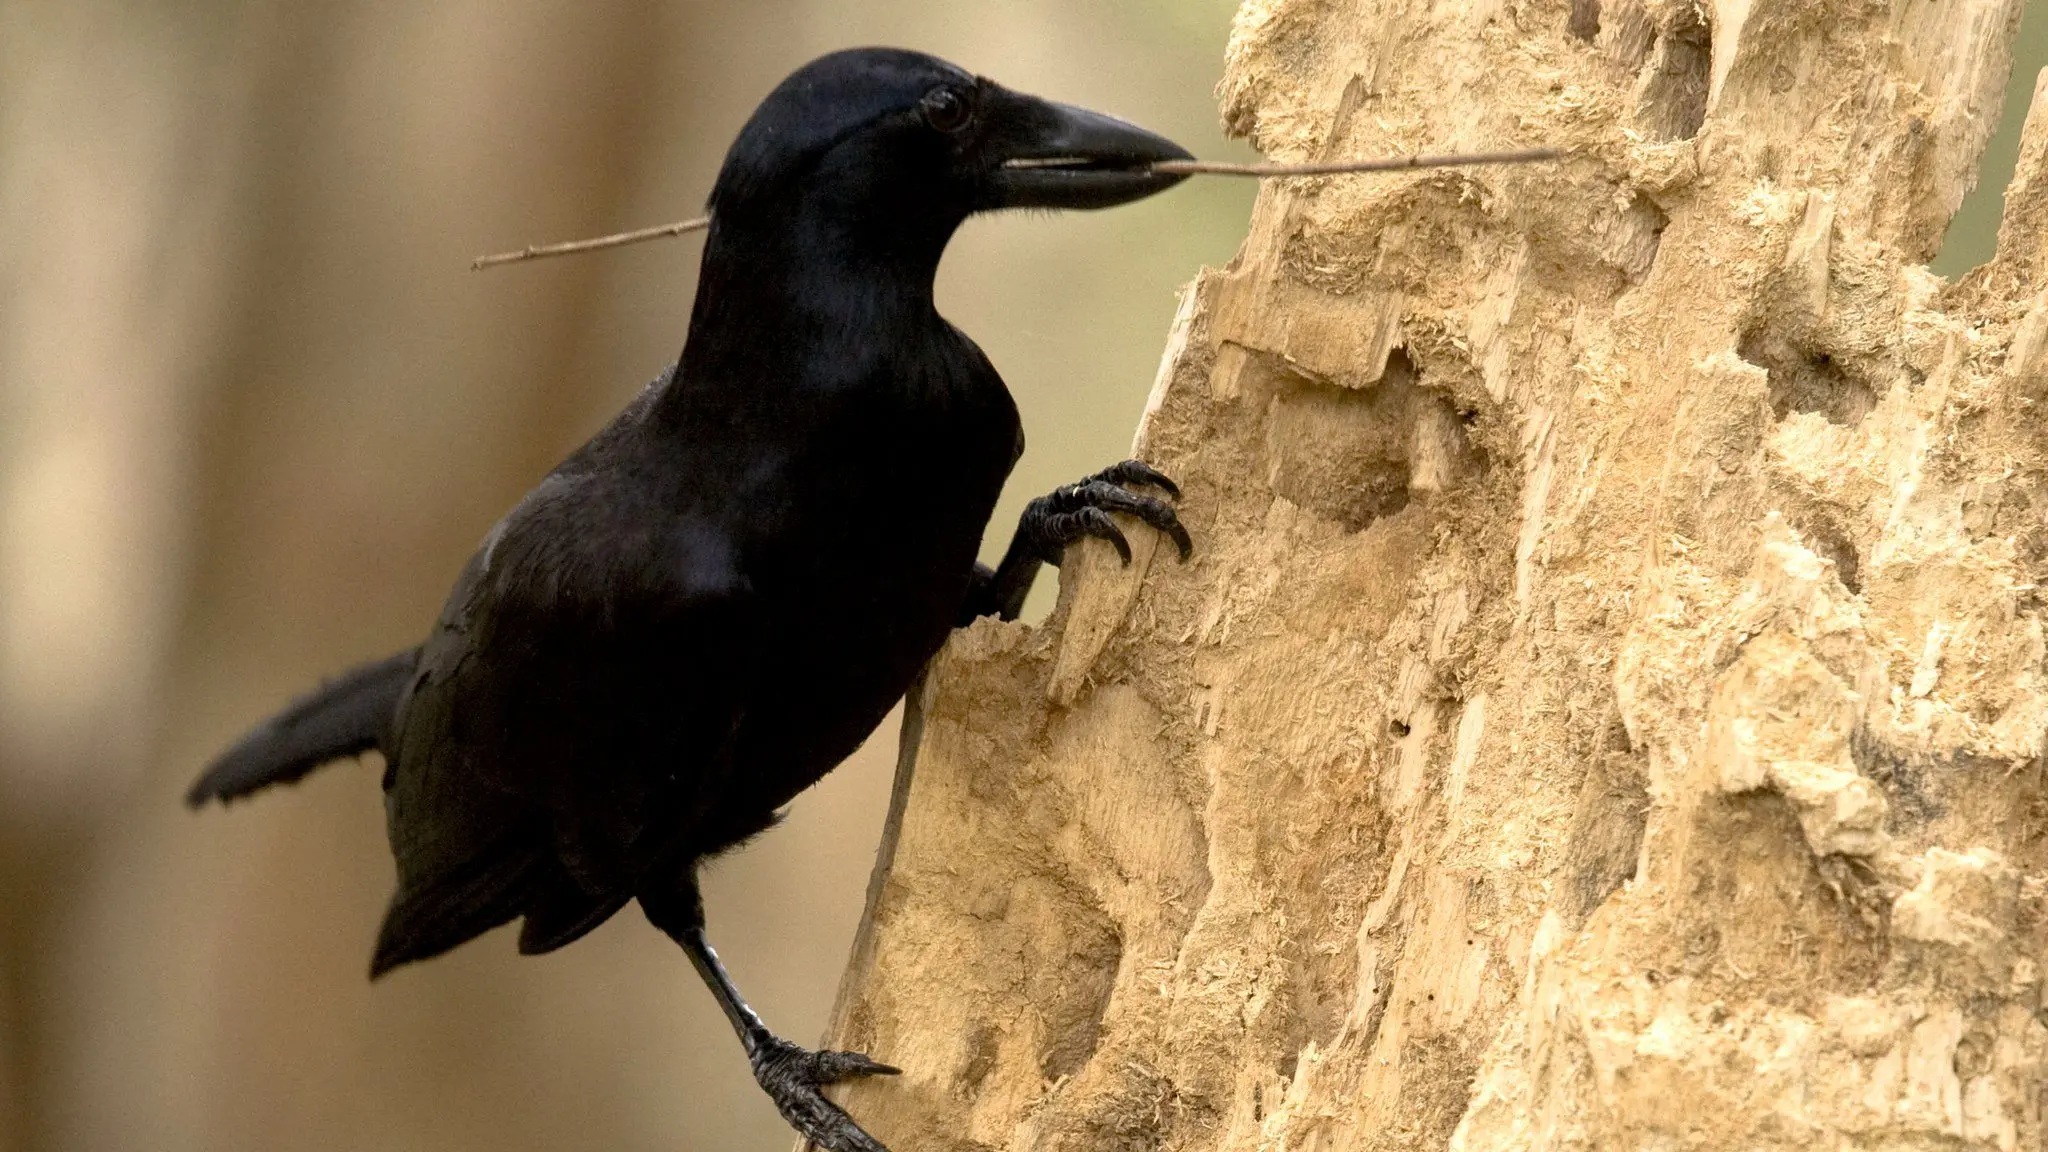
x=255, y=411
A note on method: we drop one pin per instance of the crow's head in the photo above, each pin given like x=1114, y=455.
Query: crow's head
x=884, y=144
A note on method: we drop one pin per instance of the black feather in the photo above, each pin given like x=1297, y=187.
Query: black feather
x=346, y=716
x=456, y=906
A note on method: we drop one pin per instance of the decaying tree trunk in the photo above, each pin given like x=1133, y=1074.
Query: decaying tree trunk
x=1606, y=708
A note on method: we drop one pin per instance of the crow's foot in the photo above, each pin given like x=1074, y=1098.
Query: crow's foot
x=792, y=1077
x=1052, y=522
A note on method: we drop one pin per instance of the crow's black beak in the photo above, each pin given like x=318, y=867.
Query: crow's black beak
x=1047, y=155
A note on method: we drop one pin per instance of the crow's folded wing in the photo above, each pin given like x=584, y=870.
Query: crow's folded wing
x=571, y=719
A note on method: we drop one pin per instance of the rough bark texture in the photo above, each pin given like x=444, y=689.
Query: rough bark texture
x=1606, y=709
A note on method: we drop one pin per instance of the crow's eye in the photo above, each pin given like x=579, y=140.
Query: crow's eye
x=946, y=109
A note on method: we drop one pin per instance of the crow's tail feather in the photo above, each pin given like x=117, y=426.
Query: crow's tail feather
x=347, y=716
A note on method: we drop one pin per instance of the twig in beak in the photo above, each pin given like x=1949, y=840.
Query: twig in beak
x=1174, y=167
x=1341, y=167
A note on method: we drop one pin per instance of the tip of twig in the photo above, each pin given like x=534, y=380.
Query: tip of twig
x=570, y=247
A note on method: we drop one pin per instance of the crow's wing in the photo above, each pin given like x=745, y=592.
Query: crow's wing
x=571, y=720
x=465, y=851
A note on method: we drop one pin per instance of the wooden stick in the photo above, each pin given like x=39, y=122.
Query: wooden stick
x=615, y=240
x=1340, y=167
x=1173, y=167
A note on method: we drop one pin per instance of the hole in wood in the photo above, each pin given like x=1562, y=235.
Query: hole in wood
x=1674, y=93
x=1584, y=22
x=1830, y=543
x=1805, y=379
x=1353, y=455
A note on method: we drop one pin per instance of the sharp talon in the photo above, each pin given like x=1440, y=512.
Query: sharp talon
x=1159, y=480
x=1096, y=522
x=1158, y=513
x=832, y=1067
x=1138, y=472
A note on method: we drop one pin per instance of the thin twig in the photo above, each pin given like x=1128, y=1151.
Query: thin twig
x=537, y=251
x=1171, y=167
x=1340, y=167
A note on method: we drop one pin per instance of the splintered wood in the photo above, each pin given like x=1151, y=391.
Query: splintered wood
x=1605, y=709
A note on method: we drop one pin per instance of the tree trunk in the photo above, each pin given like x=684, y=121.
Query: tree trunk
x=1606, y=706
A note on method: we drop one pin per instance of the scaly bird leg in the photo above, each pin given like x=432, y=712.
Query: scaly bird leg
x=791, y=1076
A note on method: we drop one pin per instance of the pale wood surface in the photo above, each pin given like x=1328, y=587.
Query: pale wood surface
x=1606, y=707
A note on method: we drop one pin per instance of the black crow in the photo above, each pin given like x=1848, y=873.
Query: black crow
x=713, y=602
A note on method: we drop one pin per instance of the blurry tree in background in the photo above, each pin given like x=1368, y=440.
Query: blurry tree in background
x=254, y=413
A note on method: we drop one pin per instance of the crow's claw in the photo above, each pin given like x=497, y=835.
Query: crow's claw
x=1137, y=472
x=1059, y=529
x=1158, y=513
x=792, y=1076
x=1054, y=521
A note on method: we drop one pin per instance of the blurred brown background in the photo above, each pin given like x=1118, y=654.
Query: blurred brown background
x=255, y=412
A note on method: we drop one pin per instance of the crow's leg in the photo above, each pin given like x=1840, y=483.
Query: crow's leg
x=1067, y=514
x=791, y=1076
